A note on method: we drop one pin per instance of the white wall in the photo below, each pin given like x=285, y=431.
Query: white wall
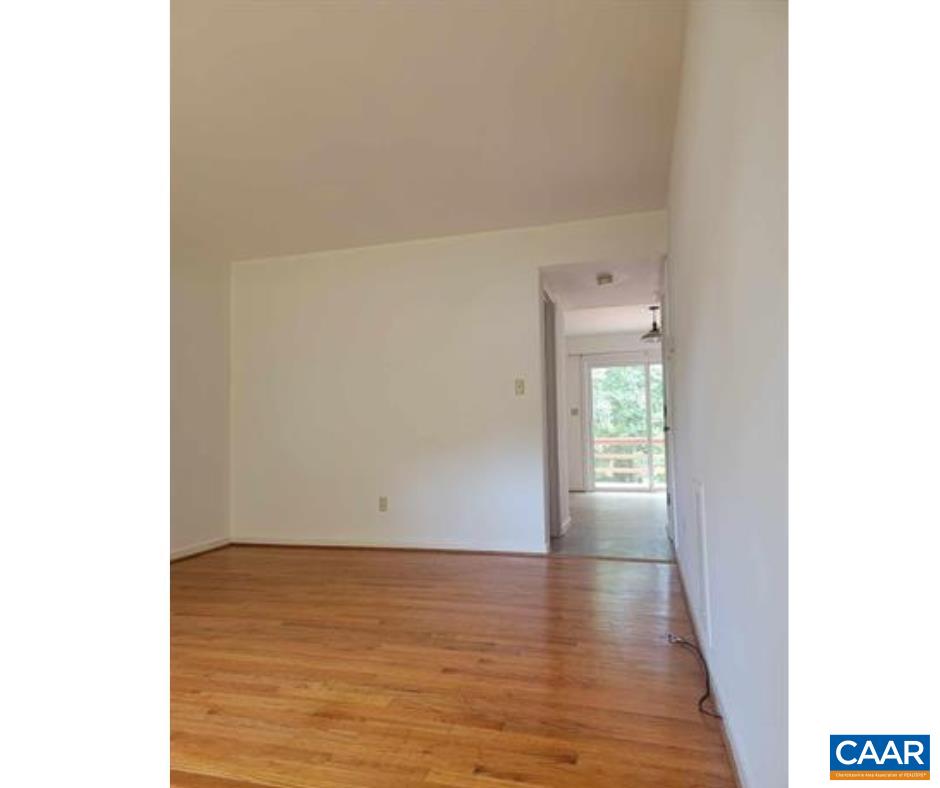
x=727, y=313
x=611, y=343
x=199, y=397
x=389, y=370
x=577, y=348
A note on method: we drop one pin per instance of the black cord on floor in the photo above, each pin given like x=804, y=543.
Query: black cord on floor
x=689, y=645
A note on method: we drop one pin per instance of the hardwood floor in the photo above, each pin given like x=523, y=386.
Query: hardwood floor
x=617, y=525
x=318, y=667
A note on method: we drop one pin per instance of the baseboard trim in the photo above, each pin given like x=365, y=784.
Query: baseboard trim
x=730, y=742
x=217, y=544
x=248, y=541
x=622, y=559
x=198, y=549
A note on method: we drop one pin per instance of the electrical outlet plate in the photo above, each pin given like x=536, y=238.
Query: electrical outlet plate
x=520, y=387
x=383, y=503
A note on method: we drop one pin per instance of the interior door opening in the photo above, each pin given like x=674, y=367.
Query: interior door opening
x=604, y=373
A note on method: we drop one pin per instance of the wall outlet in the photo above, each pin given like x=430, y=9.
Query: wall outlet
x=383, y=503
x=520, y=387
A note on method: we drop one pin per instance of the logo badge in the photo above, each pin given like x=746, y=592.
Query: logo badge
x=866, y=756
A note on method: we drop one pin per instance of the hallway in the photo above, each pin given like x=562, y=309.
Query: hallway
x=617, y=525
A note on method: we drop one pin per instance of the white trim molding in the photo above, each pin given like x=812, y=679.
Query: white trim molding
x=391, y=544
x=195, y=549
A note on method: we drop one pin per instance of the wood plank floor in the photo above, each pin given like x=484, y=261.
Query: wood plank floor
x=317, y=667
x=617, y=525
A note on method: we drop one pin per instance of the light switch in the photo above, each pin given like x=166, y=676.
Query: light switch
x=520, y=387
x=383, y=504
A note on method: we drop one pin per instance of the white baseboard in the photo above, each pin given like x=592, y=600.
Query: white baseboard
x=731, y=739
x=741, y=778
x=195, y=549
x=391, y=545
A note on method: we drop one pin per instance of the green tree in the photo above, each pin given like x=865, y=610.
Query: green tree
x=619, y=399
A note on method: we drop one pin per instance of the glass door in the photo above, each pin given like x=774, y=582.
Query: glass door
x=628, y=443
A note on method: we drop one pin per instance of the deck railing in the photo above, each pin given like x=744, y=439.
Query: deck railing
x=625, y=461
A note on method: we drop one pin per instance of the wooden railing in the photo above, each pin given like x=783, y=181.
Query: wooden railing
x=614, y=462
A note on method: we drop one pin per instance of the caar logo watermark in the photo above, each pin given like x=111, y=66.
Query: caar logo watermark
x=865, y=756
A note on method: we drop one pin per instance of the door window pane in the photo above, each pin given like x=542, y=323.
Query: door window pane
x=620, y=426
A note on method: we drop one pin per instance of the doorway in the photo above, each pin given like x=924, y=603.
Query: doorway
x=625, y=425
x=604, y=371
x=620, y=511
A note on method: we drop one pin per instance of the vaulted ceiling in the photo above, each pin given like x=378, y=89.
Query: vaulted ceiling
x=299, y=126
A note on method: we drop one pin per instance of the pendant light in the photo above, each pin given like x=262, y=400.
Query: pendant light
x=654, y=334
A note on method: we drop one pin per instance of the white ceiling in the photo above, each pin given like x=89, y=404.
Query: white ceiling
x=575, y=286
x=607, y=320
x=299, y=126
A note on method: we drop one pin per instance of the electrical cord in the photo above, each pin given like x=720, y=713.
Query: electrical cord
x=690, y=646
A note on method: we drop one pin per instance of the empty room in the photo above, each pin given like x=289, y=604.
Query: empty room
x=468, y=393
x=478, y=387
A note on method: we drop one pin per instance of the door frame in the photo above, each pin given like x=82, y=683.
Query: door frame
x=552, y=458
x=667, y=354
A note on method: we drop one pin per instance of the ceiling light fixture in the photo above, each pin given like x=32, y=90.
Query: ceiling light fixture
x=654, y=334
